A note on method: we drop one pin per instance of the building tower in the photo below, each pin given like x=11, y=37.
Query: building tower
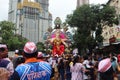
x=108, y=32
x=116, y=5
x=47, y=16
x=30, y=18
x=82, y=2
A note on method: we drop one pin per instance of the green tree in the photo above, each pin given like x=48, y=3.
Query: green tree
x=90, y=19
x=7, y=31
x=40, y=46
x=17, y=42
x=8, y=37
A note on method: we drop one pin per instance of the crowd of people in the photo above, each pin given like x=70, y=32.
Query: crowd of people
x=34, y=65
x=29, y=67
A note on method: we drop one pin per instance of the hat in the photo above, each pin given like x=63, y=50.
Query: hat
x=16, y=51
x=40, y=54
x=104, y=65
x=3, y=46
x=30, y=47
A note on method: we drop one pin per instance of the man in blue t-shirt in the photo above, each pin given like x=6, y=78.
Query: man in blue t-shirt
x=32, y=69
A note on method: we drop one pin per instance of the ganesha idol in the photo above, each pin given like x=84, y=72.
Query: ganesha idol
x=57, y=39
x=58, y=42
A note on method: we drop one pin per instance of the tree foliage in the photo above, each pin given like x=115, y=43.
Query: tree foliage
x=7, y=29
x=90, y=19
x=40, y=46
x=8, y=37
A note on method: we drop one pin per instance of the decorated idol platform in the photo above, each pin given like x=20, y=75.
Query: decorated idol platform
x=58, y=39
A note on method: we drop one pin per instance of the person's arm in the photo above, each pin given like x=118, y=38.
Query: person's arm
x=51, y=40
x=118, y=67
x=64, y=43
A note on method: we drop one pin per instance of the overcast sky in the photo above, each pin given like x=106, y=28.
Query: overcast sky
x=58, y=8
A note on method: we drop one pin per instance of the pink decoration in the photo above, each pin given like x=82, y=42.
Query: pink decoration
x=62, y=35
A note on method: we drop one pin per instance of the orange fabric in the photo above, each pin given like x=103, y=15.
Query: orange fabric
x=39, y=60
x=31, y=60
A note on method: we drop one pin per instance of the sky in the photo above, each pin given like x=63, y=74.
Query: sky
x=58, y=8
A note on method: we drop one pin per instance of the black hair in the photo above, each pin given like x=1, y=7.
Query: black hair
x=27, y=55
x=85, y=57
x=113, y=59
x=18, y=61
x=20, y=51
x=75, y=60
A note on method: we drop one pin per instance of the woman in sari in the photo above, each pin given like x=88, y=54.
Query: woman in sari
x=77, y=69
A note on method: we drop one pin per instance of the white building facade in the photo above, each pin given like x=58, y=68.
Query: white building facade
x=31, y=18
x=109, y=32
x=82, y=2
